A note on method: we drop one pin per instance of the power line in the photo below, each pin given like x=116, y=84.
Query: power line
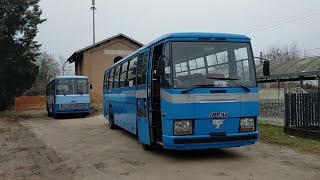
x=271, y=26
x=284, y=21
x=312, y=49
x=281, y=20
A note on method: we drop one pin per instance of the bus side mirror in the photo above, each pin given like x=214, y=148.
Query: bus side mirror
x=90, y=86
x=160, y=68
x=266, y=68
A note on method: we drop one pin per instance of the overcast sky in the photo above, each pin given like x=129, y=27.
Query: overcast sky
x=69, y=22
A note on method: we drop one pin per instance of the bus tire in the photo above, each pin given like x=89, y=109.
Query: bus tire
x=146, y=147
x=49, y=113
x=55, y=116
x=112, y=126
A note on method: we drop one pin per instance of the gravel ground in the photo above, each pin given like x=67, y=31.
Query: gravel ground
x=38, y=147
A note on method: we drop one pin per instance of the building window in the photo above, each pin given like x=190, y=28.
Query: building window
x=117, y=59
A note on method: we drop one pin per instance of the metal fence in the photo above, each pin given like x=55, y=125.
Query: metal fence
x=272, y=108
x=302, y=110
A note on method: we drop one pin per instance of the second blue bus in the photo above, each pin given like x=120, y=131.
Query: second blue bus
x=68, y=95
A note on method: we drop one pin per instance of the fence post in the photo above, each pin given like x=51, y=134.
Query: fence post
x=286, y=98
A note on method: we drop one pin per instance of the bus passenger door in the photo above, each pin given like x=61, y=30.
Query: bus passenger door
x=142, y=103
x=154, y=97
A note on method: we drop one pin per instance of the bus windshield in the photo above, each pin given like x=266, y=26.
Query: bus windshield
x=72, y=86
x=212, y=63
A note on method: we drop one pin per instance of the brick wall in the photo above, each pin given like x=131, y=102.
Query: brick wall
x=30, y=102
x=97, y=59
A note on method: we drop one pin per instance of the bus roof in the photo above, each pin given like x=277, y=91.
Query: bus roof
x=190, y=35
x=71, y=77
x=68, y=77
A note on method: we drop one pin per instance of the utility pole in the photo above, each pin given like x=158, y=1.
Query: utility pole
x=64, y=67
x=93, y=8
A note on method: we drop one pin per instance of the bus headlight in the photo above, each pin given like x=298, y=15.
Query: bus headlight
x=183, y=127
x=247, y=124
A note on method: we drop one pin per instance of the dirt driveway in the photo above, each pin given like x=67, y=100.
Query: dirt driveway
x=39, y=147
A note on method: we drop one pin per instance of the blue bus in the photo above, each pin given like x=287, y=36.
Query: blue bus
x=68, y=95
x=186, y=91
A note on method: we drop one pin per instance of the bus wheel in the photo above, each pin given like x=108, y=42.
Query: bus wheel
x=55, y=116
x=49, y=113
x=146, y=147
x=111, y=119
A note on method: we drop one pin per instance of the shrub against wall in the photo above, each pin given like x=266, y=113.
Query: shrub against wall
x=18, y=50
x=49, y=68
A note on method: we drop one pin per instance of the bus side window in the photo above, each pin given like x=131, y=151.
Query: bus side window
x=166, y=78
x=52, y=88
x=132, y=71
x=123, y=75
x=127, y=75
x=142, y=68
x=105, y=81
x=111, y=79
x=116, y=77
x=47, y=90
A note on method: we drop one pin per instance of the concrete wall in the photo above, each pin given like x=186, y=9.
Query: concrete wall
x=30, y=102
x=97, y=59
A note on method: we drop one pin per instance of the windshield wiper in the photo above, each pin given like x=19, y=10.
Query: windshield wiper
x=232, y=80
x=197, y=86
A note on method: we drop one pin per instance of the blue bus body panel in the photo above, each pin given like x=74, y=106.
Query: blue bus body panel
x=235, y=102
x=61, y=99
x=69, y=104
x=168, y=142
x=124, y=106
x=143, y=123
x=196, y=105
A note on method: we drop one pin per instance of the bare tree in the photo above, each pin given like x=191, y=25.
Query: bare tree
x=66, y=68
x=287, y=52
x=49, y=68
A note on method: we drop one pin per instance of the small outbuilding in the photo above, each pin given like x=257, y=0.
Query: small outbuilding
x=91, y=61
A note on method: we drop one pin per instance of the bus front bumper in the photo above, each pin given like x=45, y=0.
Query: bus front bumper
x=71, y=110
x=208, y=142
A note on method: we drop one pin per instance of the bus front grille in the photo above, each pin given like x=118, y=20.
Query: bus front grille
x=73, y=106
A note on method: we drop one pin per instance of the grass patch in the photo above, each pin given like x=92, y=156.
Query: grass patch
x=2, y=131
x=275, y=135
x=3, y=128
